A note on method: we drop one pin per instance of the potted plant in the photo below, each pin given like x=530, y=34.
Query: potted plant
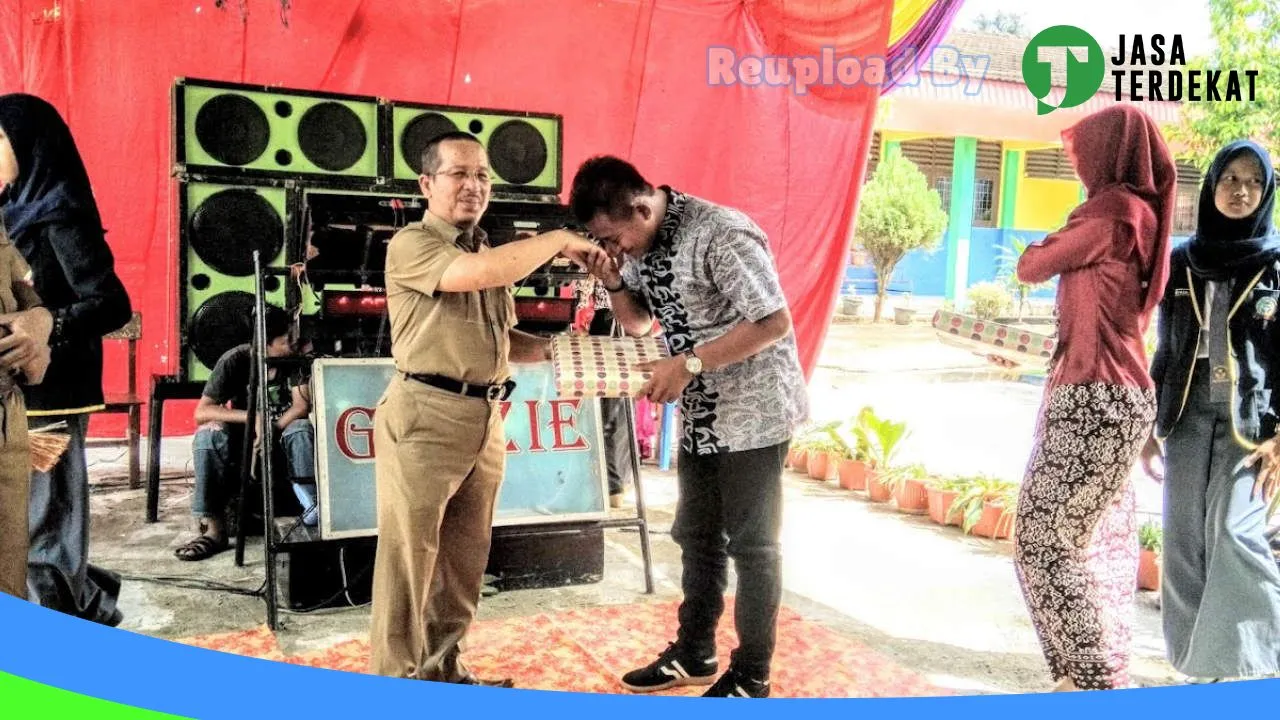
x=1150, y=539
x=986, y=507
x=1008, y=272
x=908, y=488
x=941, y=494
x=988, y=300
x=902, y=315
x=851, y=455
x=807, y=439
x=884, y=438
x=798, y=455
x=820, y=466
x=851, y=304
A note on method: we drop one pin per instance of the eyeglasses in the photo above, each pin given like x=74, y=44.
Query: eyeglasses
x=461, y=176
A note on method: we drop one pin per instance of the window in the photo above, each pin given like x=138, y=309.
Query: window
x=1049, y=164
x=1186, y=207
x=984, y=202
x=873, y=156
x=932, y=156
x=943, y=186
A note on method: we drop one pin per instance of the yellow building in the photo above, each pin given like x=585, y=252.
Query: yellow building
x=998, y=166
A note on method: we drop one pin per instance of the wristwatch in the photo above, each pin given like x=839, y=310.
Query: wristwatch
x=692, y=363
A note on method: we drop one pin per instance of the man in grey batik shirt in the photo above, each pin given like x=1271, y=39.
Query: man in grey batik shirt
x=705, y=272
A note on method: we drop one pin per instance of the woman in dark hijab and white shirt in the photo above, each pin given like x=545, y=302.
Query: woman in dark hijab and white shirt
x=1216, y=368
x=52, y=218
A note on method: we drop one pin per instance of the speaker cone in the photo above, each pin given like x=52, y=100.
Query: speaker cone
x=230, y=225
x=331, y=136
x=219, y=324
x=232, y=129
x=518, y=152
x=420, y=131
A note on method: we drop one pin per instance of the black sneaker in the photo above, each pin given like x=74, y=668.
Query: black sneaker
x=473, y=680
x=734, y=684
x=673, y=667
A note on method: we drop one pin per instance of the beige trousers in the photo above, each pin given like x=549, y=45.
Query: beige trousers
x=440, y=460
x=15, y=483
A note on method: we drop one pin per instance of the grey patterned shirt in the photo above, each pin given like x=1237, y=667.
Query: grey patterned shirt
x=710, y=269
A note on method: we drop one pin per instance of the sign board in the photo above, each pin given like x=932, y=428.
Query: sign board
x=555, y=455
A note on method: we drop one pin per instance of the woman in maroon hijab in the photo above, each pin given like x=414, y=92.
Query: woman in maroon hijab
x=1076, y=550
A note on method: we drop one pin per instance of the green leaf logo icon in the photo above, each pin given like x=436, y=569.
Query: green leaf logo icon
x=1066, y=49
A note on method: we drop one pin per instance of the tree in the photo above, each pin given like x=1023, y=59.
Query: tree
x=1004, y=23
x=899, y=213
x=1247, y=33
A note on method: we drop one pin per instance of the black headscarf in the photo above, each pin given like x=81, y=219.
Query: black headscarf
x=52, y=184
x=1222, y=247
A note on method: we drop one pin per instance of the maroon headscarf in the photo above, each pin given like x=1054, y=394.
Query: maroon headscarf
x=1127, y=169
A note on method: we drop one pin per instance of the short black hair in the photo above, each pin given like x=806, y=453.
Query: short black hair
x=606, y=184
x=431, y=153
x=279, y=323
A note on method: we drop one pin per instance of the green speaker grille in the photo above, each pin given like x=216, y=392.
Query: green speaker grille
x=203, y=283
x=526, y=149
x=278, y=132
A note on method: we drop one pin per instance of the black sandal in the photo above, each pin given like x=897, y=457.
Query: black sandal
x=202, y=548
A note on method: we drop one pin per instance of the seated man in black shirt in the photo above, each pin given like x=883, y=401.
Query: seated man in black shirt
x=221, y=415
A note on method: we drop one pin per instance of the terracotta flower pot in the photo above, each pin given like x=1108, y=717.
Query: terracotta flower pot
x=800, y=463
x=1148, y=570
x=819, y=465
x=876, y=490
x=995, y=523
x=911, y=497
x=853, y=474
x=939, y=503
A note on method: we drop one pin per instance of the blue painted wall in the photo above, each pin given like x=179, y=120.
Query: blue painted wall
x=924, y=274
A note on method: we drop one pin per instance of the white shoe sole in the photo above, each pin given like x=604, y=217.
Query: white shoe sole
x=675, y=682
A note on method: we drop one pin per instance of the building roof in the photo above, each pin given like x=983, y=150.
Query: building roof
x=999, y=106
x=997, y=110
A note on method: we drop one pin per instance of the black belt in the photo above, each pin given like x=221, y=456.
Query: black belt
x=488, y=392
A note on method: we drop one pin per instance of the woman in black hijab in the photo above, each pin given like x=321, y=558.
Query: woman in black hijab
x=51, y=216
x=1216, y=368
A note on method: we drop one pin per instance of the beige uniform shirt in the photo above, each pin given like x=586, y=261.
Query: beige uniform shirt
x=17, y=291
x=460, y=335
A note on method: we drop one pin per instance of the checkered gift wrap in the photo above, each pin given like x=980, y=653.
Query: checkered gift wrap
x=598, y=366
x=992, y=338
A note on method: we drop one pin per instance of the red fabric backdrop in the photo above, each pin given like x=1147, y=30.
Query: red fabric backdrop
x=629, y=77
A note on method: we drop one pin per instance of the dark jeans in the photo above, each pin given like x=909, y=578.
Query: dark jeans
x=59, y=575
x=216, y=455
x=617, y=444
x=613, y=416
x=730, y=506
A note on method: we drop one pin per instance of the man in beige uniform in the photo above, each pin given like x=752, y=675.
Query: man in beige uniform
x=438, y=438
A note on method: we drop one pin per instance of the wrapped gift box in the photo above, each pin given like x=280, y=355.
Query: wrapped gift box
x=984, y=337
x=602, y=367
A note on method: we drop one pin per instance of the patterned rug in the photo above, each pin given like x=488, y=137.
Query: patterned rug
x=567, y=651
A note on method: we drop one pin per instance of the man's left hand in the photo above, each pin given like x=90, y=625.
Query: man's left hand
x=1267, y=481
x=670, y=378
x=28, y=338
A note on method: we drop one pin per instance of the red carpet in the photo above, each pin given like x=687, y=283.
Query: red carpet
x=587, y=650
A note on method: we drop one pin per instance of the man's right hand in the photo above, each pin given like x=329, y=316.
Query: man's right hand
x=583, y=252
x=605, y=269
x=1151, y=452
x=1002, y=362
